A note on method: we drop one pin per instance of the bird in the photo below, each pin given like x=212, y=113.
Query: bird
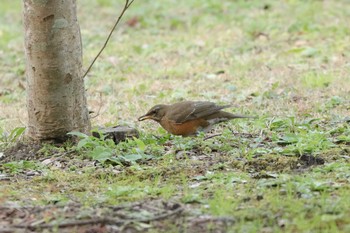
x=189, y=118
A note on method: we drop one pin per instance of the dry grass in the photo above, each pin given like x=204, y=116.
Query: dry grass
x=285, y=61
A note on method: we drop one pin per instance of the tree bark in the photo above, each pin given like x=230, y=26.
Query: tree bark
x=56, y=99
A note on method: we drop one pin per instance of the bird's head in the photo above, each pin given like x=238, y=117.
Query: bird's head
x=155, y=113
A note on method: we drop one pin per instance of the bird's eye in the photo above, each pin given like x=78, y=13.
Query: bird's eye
x=154, y=111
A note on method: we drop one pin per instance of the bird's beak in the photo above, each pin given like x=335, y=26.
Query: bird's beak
x=144, y=117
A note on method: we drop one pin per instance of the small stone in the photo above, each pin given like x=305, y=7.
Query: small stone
x=46, y=161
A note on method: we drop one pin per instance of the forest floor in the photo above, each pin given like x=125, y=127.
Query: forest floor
x=286, y=62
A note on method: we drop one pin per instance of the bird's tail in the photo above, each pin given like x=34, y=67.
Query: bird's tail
x=241, y=116
x=229, y=115
x=224, y=116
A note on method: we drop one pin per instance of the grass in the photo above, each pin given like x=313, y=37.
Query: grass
x=284, y=61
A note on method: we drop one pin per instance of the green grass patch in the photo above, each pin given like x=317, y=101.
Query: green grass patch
x=285, y=62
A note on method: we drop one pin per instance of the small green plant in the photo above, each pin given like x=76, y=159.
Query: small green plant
x=100, y=149
x=305, y=142
x=7, y=138
x=222, y=203
x=299, y=137
x=316, y=80
x=334, y=101
x=106, y=151
x=289, y=124
x=19, y=166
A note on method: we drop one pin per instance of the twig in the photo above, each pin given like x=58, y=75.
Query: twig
x=212, y=219
x=124, y=206
x=55, y=158
x=126, y=6
x=162, y=216
x=7, y=230
x=103, y=221
x=99, y=109
x=212, y=136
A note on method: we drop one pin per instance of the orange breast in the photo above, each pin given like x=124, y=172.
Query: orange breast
x=185, y=129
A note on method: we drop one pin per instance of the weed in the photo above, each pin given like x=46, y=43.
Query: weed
x=19, y=166
x=7, y=139
x=283, y=61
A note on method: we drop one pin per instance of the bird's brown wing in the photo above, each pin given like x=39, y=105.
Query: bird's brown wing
x=190, y=110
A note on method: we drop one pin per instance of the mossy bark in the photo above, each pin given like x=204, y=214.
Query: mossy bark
x=56, y=99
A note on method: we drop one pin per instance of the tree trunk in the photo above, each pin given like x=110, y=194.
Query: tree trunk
x=56, y=99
